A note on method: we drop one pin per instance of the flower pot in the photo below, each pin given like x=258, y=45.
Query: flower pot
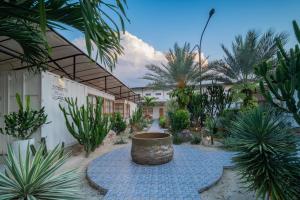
x=22, y=144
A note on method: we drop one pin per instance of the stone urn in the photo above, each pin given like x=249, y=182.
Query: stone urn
x=152, y=148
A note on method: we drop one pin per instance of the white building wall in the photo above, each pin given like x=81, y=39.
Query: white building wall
x=133, y=107
x=54, y=90
x=46, y=90
x=24, y=83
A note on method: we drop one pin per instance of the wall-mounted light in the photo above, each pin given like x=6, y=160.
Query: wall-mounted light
x=61, y=82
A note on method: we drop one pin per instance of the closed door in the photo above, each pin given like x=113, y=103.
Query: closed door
x=161, y=112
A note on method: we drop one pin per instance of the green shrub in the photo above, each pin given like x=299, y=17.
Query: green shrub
x=118, y=124
x=196, y=140
x=86, y=123
x=36, y=177
x=229, y=143
x=177, y=139
x=162, y=122
x=25, y=122
x=267, y=154
x=224, y=122
x=179, y=120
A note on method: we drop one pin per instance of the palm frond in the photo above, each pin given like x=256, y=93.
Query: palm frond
x=89, y=17
x=246, y=52
x=180, y=69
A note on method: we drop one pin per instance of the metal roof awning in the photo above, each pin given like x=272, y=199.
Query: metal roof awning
x=69, y=61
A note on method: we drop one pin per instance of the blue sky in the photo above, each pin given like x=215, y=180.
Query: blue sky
x=161, y=23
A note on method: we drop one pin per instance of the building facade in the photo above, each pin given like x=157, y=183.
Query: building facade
x=70, y=73
x=161, y=97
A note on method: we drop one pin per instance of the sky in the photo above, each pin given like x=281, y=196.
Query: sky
x=155, y=25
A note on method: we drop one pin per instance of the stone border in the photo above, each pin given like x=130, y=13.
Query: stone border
x=94, y=185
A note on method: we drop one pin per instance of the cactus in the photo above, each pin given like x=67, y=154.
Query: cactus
x=25, y=122
x=218, y=100
x=283, y=80
x=86, y=123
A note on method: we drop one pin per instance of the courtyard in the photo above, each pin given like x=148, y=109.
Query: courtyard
x=149, y=100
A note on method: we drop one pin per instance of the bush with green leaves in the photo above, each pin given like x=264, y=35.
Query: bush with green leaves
x=196, y=140
x=25, y=122
x=182, y=96
x=87, y=124
x=118, y=124
x=177, y=139
x=266, y=154
x=36, y=177
x=179, y=120
x=137, y=121
x=224, y=122
x=163, y=122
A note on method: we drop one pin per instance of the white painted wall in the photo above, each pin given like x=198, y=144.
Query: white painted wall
x=160, y=95
x=24, y=83
x=54, y=89
x=133, y=107
x=46, y=90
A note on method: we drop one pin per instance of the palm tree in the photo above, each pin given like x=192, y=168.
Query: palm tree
x=238, y=65
x=26, y=22
x=148, y=102
x=180, y=70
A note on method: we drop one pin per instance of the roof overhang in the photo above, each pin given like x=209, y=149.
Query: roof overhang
x=68, y=61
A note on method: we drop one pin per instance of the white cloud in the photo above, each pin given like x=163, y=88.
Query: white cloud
x=137, y=54
x=131, y=65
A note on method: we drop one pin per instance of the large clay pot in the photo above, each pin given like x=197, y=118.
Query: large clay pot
x=22, y=144
x=152, y=148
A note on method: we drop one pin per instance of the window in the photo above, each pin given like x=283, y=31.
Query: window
x=127, y=114
x=108, y=106
x=119, y=107
x=148, y=94
x=158, y=94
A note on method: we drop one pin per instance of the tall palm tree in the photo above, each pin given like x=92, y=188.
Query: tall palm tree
x=26, y=22
x=180, y=70
x=238, y=65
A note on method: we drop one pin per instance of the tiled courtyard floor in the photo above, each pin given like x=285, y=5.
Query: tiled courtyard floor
x=191, y=171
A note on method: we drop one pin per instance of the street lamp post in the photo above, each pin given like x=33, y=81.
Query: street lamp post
x=199, y=46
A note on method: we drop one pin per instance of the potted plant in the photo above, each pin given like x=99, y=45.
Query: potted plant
x=22, y=124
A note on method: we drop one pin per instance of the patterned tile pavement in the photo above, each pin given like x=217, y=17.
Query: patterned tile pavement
x=190, y=172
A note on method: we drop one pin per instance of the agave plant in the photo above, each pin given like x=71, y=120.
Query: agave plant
x=267, y=154
x=36, y=177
